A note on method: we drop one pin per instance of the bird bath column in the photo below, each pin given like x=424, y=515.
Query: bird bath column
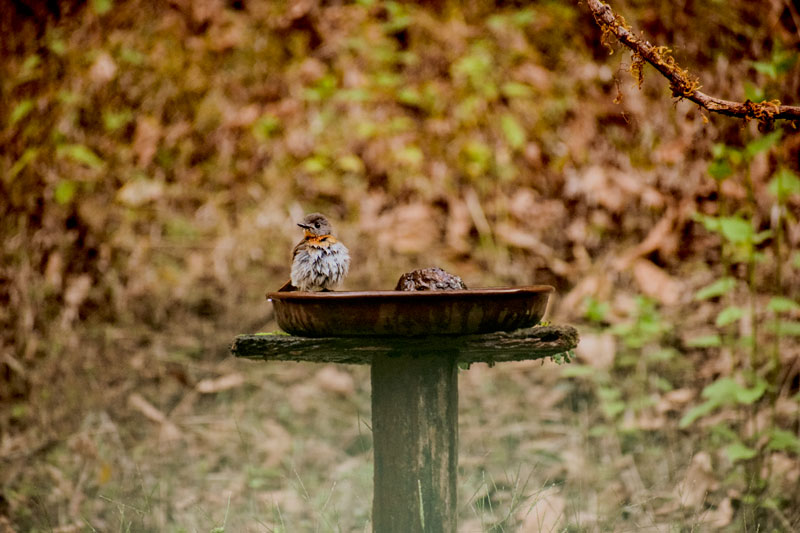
x=414, y=408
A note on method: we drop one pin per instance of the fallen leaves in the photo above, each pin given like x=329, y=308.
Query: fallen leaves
x=222, y=383
x=656, y=283
x=409, y=229
x=168, y=430
x=698, y=481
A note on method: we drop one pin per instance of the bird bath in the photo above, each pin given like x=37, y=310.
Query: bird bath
x=414, y=342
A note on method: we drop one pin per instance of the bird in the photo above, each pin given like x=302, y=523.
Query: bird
x=319, y=262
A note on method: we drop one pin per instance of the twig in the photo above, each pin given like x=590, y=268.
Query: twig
x=683, y=84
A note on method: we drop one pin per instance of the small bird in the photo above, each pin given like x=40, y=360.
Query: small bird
x=319, y=262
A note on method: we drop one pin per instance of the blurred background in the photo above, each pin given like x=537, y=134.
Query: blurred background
x=156, y=156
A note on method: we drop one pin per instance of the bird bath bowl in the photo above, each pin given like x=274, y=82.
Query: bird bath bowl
x=409, y=313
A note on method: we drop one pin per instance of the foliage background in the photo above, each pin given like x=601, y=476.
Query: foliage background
x=155, y=157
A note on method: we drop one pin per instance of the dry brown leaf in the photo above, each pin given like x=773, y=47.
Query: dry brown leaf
x=675, y=400
x=459, y=225
x=721, y=516
x=670, y=152
x=53, y=272
x=597, y=285
x=332, y=379
x=276, y=442
x=77, y=290
x=145, y=140
x=103, y=69
x=411, y=228
x=139, y=192
x=476, y=212
x=697, y=483
x=783, y=469
x=222, y=383
x=7, y=527
x=656, y=283
x=545, y=514
x=597, y=350
x=523, y=204
x=518, y=238
x=76, y=293
x=169, y=431
x=648, y=420
x=594, y=184
x=661, y=237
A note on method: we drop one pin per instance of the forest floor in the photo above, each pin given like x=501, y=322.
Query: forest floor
x=155, y=163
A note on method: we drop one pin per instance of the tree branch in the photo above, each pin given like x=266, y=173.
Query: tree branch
x=683, y=84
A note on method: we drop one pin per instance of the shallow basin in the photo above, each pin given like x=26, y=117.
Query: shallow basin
x=412, y=313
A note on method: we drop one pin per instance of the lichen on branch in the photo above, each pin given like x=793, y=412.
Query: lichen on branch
x=682, y=83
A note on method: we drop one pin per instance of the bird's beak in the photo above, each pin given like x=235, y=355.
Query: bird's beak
x=304, y=226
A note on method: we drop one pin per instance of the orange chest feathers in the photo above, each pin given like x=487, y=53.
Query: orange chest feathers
x=316, y=241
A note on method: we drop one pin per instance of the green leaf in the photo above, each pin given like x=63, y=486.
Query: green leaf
x=514, y=89
x=709, y=222
x=723, y=392
x=265, y=127
x=524, y=17
x=727, y=391
x=719, y=169
x=719, y=150
x=718, y=288
x=753, y=93
x=26, y=157
x=766, y=68
x=513, y=131
x=783, y=440
x=613, y=408
x=30, y=64
x=780, y=304
x=409, y=96
x=114, y=120
x=315, y=164
x=784, y=183
x=101, y=7
x=760, y=237
x=736, y=157
x=729, y=315
x=736, y=229
x=748, y=396
x=353, y=95
x=20, y=111
x=696, y=412
x=577, y=371
x=80, y=154
x=783, y=60
x=739, y=452
x=596, y=311
x=786, y=327
x=661, y=355
x=57, y=46
x=706, y=341
x=410, y=155
x=65, y=191
x=763, y=143
x=350, y=163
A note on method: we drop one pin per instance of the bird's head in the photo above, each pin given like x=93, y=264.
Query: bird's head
x=316, y=224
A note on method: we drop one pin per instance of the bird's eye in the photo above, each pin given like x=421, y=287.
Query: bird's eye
x=316, y=225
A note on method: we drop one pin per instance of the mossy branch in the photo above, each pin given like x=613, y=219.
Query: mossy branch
x=683, y=84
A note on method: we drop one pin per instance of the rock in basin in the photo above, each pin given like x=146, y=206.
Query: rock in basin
x=430, y=279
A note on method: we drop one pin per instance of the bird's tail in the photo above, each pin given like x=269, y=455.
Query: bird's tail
x=287, y=287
